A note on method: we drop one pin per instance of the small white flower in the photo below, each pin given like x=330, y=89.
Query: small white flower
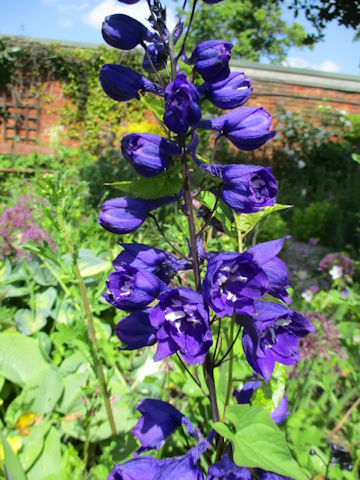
x=301, y=164
x=307, y=295
x=336, y=272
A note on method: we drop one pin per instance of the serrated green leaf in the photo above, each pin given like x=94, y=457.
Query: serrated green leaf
x=167, y=183
x=270, y=394
x=258, y=442
x=247, y=221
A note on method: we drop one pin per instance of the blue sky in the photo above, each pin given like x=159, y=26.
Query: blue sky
x=80, y=20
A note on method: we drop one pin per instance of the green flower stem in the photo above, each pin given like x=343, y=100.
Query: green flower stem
x=208, y=366
x=85, y=299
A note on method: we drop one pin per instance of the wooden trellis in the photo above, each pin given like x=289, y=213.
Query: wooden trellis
x=22, y=120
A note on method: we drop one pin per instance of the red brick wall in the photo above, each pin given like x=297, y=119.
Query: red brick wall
x=268, y=94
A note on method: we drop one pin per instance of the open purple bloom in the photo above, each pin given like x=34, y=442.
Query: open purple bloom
x=139, y=468
x=226, y=469
x=136, y=331
x=158, y=55
x=272, y=335
x=125, y=214
x=121, y=83
x=211, y=59
x=247, y=128
x=132, y=289
x=158, y=421
x=234, y=280
x=181, y=105
x=246, y=188
x=230, y=93
x=124, y=32
x=160, y=263
x=182, y=323
x=265, y=254
x=281, y=412
x=149, y=154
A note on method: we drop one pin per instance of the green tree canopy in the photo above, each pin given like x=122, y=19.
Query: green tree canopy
x=255, y=27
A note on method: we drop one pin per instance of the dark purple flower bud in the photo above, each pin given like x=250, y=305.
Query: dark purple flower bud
x=181, y=105
x=128, y=2
x=209, y=2
x=158, y=55
x=149, y=154
x=160, y=263
x=183, y=326
x=234, y=280
x=122, y=84
x=226, y=469
x=139, y=468
x=247, y=128
x=132, y=289
x=124, y=32
x=230, y=93
x=136, y=331
x=272, y=335
x=125, y=214
x=246, y=188
x=211, y=59
x=159, y=420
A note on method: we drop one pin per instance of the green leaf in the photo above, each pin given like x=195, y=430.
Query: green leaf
x=13, y=468
x=167, y=183
x=33, y=444
x=88, y=262
x=48, y=465
x=258, y=442
x=247, y=221
x=156, y=105
x=356, y=157
x=222, y=212
x=20, y=357
x=270, y=394
x=40, y=395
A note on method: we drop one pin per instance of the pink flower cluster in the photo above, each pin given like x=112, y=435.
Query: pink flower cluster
x=19, y=225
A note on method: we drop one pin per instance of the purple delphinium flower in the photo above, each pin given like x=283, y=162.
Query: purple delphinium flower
x=230, y=93
x=272, y=335
x=181, y=105
x=211, y=59
x=139, y=468
x=132, y=289
x=226, y=469
x=158, y=55
x=124, y=32
x=182, y=323
x=125, y=214
x=121, y=83
x=247, y=128
x=234, y=280
x=160, y=263
x=184, y=467
x=149, y=154
x=158, y=421
x=136, y=331
x=246, y=188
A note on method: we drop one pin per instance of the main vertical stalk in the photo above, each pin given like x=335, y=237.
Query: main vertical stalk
x=208, y=366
